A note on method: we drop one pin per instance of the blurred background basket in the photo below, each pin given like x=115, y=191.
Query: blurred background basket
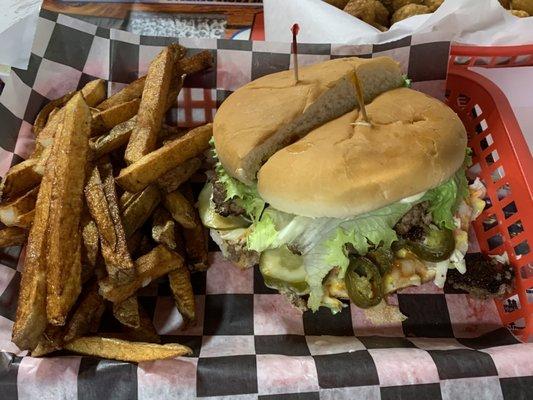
x=503, y=162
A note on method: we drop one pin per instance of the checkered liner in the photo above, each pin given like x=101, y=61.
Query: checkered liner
x=249, y=342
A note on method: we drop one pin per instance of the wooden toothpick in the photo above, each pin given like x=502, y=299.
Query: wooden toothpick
x=295, y=29
x=360, y=100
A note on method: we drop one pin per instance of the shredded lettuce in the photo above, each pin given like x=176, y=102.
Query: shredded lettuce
x=406, y=81
x=246, y=196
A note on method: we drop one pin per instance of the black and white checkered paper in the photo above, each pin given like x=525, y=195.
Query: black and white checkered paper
x=249, y=343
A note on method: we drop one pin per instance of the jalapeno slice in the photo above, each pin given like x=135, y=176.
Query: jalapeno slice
x=382, y=258
x=363, y=282
x=438, y=245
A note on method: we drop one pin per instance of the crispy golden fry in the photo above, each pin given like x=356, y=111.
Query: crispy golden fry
x=180, y=284
x=144, y=333
x=84, y=320
x=139, y=208
x=115, y=139
x=53, y=113
x=153, y=105
x=195, y=63
x=107, y=119
x=127, y=312
x=46, y=111
x=91, y=245
x=160, y=261
x=163, y=228
x=50, y=341
x=123, y=350
x=155, y=164
x=93, y=93
x=180, y=209
x=15, y=213
x=174, y=178
x=132, y=91
x=337, y=3
x=102, y=203
x=30, y=321
x=20, y=178
x=13, y=236
x=64, y=245
x=25, y=220
x=196, y=240
x=134, y=241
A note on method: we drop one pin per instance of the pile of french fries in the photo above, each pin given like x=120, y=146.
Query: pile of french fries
x=105, y=207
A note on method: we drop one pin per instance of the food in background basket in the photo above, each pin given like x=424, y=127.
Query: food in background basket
x=370, y=11
x=408, y=11
x=88, y=212
x=519, y=13
x=381, y=14
x=339, y=205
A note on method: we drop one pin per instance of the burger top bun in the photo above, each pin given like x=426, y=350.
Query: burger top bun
x=273, y=111
x=414, y=143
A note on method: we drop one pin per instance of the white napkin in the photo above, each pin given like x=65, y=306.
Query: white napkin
x=18, y=21
x=477, y=22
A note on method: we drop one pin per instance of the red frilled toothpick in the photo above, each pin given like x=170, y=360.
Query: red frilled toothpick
x=295, y=29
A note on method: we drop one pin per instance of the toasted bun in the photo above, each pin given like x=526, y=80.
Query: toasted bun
x=339, y=170
x=269, y=113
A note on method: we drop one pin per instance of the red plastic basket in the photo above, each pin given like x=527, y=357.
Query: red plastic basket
x=503, y=162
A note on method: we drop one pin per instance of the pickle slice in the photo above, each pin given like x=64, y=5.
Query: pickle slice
x=211, y=218
x=283, y=270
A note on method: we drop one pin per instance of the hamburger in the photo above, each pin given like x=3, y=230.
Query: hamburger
x=332, y=207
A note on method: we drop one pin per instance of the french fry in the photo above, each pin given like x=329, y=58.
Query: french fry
x=13, y=236
x=158, y=262
x=123, y=350
x=64, y=245
x=102, y=202
x=139, y=208
x=83, y=321
x=149, y=168
x=153, y=105
x=50, y=341
x=44, y=114
x=180, y=284
x=181, y=210
x=20, y=178
x=93, y=93
x=91, y=245
x=107, y=119
x=117, y=137
x=196, y=240
x=133, y=90
x=196, y=62
x=15, y=213
x=127, y=312
x=163, y=228
x=31, y=320
x=87, y=316
x=174, y=178
x=145, y=332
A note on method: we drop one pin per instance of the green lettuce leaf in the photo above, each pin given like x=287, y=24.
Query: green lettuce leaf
x=262, y=235
x=446, y=198
x=246, y=196
x=373, y=228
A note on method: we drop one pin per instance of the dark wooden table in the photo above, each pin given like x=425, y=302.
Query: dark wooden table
x=239, y=16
